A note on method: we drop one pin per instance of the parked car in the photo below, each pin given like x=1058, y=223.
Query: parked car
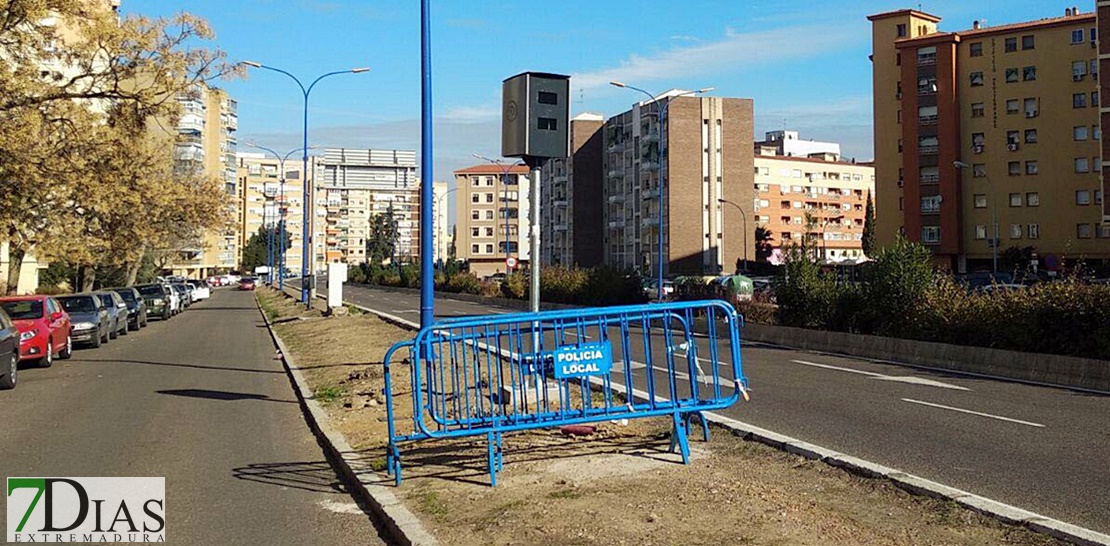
x=89, y=317
x=136, y=307
x=9, y=352
x=215, y=280
x=200, y=290
x=246, y=283
x=44, y=328
x=158, y=299
x=184, y=295
x=117, y=312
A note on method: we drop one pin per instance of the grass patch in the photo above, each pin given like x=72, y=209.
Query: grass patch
x=565, y=494
x=431, y=504
x=329, y=394
x=354, y=311
x=378, y=465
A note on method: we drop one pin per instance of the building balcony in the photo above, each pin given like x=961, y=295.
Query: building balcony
x=560, y=227
x=619, y=198
x=930, y=178
x=648, y=165
x=927, y=120
x=650, y=137
x=191, y=123
x=189, y=152
x=560, y=202
x=559, y=179
x=616, y=224
x=616, y=172
x=616, y=146
x=928, y=150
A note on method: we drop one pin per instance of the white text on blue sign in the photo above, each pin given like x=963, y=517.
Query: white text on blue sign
x=583, y=360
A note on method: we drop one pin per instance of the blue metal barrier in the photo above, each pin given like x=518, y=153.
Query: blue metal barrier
x=490, y=375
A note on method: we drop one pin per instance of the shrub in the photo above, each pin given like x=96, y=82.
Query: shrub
x=805, y=295
x=560, y=284
x=464, y=283
x=515, y=286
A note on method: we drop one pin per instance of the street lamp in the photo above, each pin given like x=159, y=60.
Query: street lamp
x=994, y=217
x=661, y=114
x=281, y=222
x=439, y=207
x=306, y=237
x=744, y=233
x=505, y=168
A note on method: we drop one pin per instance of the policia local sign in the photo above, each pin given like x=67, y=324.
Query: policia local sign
x=86, y=510
x=583, y=360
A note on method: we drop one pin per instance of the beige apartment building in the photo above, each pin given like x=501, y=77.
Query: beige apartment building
x=1017, y=107
x=817, y=198
x=571, y=198
x=491, y=220
x=441, y=238
x=704, y=153
x=262, y=200
x=356, y=184
x=206, y=143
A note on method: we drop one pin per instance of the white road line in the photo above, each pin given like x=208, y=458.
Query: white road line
x=403, y=311
x=1000, y=418
x=893, y=378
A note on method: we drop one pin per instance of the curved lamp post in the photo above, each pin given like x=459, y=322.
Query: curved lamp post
x=280, y=252
x=439, y=206
x=306, y=237
x=744, y=234
x=661, y=113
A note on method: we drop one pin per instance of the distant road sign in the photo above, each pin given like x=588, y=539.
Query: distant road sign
x=510, y=262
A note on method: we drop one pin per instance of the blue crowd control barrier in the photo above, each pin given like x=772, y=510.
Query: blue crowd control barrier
x=490, y=375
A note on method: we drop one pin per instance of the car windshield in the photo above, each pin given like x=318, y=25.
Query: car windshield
x=19, y=310
x=150, y=290
x=79, y=304
x=106, y=299
x=127, y=295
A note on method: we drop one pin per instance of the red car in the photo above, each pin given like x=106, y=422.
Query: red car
x=246, y=283
x=44, y=328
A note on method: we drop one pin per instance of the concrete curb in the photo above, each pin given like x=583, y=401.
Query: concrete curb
x=390, y=512
x=908, y=482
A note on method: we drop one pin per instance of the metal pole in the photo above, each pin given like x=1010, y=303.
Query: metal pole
x=534, y=238
x=269, y=247
x=281, y=227
x=306, y=209
x=659, y=181
x=427, y=278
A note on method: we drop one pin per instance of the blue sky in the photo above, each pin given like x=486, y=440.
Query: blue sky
x=806, y=68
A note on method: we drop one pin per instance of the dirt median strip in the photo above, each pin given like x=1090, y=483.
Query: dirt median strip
x=618, y=485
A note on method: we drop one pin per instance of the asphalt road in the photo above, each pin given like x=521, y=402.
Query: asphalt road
x=200, y=400
x=1039, y=448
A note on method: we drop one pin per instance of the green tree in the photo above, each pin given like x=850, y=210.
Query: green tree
x=763, y=247
x=869, y=228
x=381, y=244
x=257, y=250
x=897, y=282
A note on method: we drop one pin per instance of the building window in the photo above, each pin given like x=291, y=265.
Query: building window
x=1029, y=73
x=1030, y=136
x=1098, y=197
x=931, y=234
x=1094, y=34
x=489, y=215
x=1031, y=108
x=1083, y=197
x=1014, y=168
x=1011, y=45
x=474, y=198
x=1077, y=36
x=1097, y=132
x=978, y=139
x=1102, y=231
x=1079, y=132
x=901, y=30
x=977, y=47
x=930, y=204
x=1094, y=99
x=1081, y=165
x=980, y=232
x=489, y=232
x=1013, y=106
x=977, y=79
x=1083, y=231
x=1034, y=231
x=475, y=181
x=1011, y=75
x=1079, y=100
x=474, y=232
x=1028, y=42
x=1015, y=231
x=474, y=214
x=980, y=200
x=1078, y=70
x=1012, y=137
x=1094, y=69
x=979, y=170
x=1030, y=167
x=1015, y=199
x=489, y=248
x=978, y=110
x=1032, y=199
x=474, y=249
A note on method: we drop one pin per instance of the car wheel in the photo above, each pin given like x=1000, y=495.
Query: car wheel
x=47, y=360
x=8, y=381
x=113, y=332
x=125, y=327
x=166, y=314
x=68, y=351
x=106, y=336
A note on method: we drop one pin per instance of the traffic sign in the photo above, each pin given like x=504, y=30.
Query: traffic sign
x=510, y=262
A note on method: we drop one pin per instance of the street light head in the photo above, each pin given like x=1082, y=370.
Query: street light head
x=721, y=201
x=252, y=64
x=706, y=89
x=617, y=84
x=961, y=165
x=359, y=70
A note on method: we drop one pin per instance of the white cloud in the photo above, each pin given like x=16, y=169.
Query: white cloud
x=735, y=52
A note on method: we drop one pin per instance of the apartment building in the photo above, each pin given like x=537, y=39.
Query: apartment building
x=989, y=122
x=492, y=215
x=571, y=203
x=704, y=153
x=206, y=143
x=441, y=239
x=1103, y=14
x=262, y=200
x=356, y=184
x=818, y=199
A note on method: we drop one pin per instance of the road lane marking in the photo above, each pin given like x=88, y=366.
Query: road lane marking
x=1000, y=418
x=403, y=311
x=893, y=378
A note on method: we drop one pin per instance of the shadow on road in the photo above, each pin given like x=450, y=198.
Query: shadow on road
x=221, y=395
x=308, y=476
x=179, y=365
